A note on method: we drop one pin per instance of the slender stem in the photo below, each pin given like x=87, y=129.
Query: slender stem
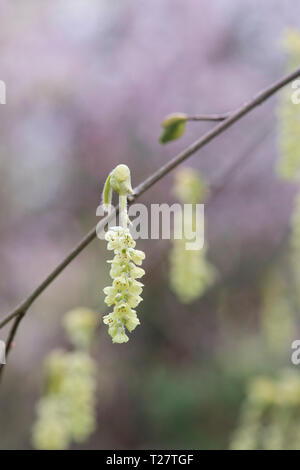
x=123, y=211
x=208, y=117
x=215, y=132
x=19, y=313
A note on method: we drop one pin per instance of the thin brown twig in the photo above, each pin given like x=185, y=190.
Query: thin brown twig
x=208, y=117
x=19, y=313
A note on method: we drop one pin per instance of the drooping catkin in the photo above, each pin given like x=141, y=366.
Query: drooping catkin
x=270, y=414
x=190, y=272
x=288, y=166
x=80, y=324
x=66, y=411
x=124, y=293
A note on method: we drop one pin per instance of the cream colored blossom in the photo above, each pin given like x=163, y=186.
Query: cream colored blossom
x=125, y=291
x=67, y=411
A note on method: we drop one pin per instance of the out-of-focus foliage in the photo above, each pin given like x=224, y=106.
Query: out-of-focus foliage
x=269, y=417
x=176, y=401
x=277, y=310
x=173, y=127
x=190, y=272
x=289, y=116
x=66, y=411
x=80, y=325
x=270, y=414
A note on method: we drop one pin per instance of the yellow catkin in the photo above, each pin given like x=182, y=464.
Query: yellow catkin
x=124, y=293
x=190, y=272
x=277, y=315
x=66, y=411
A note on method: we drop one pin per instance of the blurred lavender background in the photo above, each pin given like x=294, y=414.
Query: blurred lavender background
x=88, y=84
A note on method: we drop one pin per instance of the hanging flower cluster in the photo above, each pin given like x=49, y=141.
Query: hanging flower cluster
x=190, y=272
x=269, y=415
x=66, y=412
x=124, y=293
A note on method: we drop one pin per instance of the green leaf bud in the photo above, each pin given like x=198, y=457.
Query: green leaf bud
x=173, y=127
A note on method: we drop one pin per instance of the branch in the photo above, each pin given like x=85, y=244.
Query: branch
x=19, y=313
x=208, y=117
x=217, y=130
